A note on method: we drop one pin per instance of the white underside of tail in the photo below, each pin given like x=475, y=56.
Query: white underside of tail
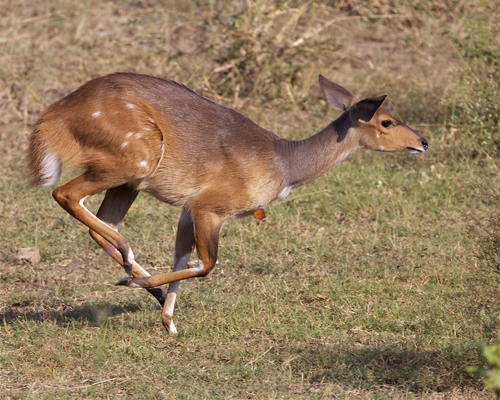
x=50, y=169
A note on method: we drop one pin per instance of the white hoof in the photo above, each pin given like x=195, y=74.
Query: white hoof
x=169, y=325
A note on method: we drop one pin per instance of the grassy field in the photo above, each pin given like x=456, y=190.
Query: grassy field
x=377, y=281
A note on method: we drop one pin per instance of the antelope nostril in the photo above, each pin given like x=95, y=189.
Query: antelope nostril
x=425, y=144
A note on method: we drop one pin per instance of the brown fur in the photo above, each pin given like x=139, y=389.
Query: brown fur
x=131, y=132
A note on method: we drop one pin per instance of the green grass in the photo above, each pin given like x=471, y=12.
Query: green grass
x=368, y=283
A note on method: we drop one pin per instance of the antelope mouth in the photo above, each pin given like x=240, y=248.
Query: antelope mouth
x=413, y=150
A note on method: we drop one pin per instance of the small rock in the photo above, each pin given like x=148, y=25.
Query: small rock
x=32, y=254
x=76, y=262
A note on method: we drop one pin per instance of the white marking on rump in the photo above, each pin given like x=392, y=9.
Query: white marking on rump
x=285, y=192
x=50, y=169
x=124, y=144
x=130, y=106
x=96, y=114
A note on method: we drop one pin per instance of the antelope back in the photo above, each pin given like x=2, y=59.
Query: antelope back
x=159, y=136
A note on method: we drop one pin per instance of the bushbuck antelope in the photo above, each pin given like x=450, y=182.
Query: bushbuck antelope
x=130, y=133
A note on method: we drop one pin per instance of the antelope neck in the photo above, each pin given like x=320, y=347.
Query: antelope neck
x=307, y=159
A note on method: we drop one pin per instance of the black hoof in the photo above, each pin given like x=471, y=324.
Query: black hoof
x=124, y=282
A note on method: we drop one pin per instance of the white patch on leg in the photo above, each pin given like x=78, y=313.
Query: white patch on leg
x=143, y=271
x=86, y=209
x=168, y=313
x=50, y=169
x=168, y=308
x=131, y=255
x=198, y=267
x=285, y=192
x=343, y=156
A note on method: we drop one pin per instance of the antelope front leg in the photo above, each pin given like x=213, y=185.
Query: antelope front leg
x=184, y=244
x=206, y=234
x=207, y=228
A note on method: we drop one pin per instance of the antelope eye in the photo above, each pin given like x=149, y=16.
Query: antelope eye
x=386, y=123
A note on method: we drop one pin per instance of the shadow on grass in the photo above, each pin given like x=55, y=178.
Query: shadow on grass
x=92, y=314
x=399, y=367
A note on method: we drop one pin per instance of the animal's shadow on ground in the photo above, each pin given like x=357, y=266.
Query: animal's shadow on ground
x=385, y=366
x=94, y=314
x=403, y=367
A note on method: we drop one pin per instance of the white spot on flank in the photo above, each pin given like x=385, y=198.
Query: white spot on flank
x=50, y=169
x=96, y=114
x=143, y=164
x=285, y=192
x=129, y=134
x=138, y=135
x=124, y=144
x=151, y=120
x=130, y=106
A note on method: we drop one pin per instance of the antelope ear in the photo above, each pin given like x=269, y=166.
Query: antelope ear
x=336, y=95
x=364, y=110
